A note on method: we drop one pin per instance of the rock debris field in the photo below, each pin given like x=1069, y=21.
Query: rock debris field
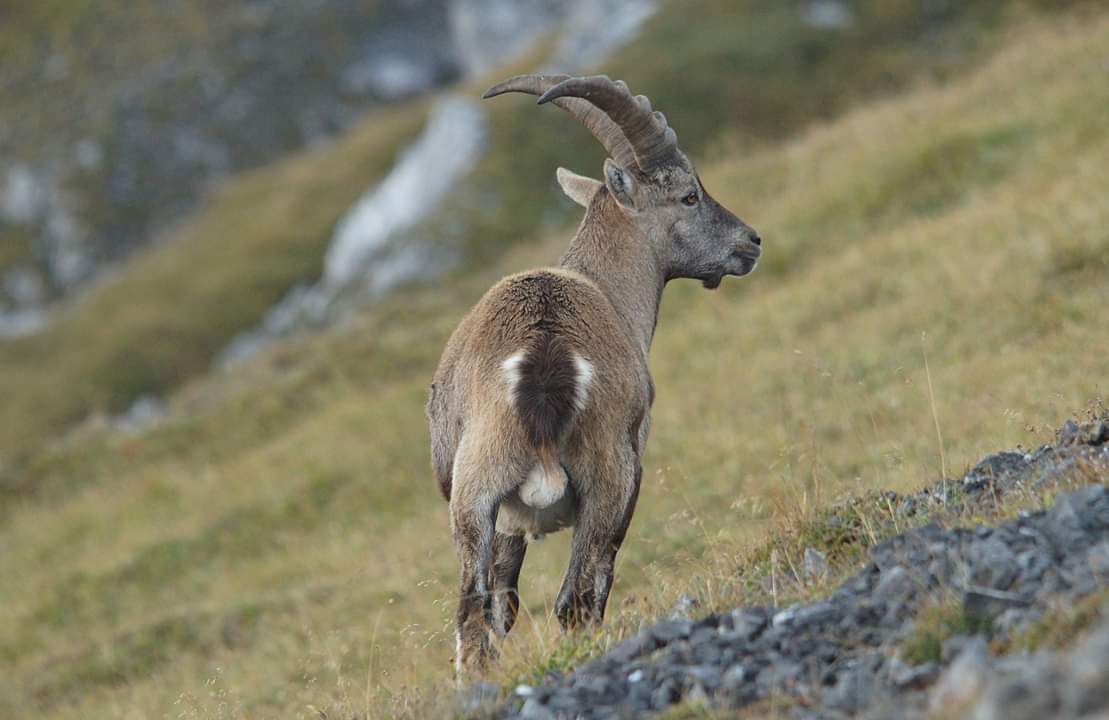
x=847, y=655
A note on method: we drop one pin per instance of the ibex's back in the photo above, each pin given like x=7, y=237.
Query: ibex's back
x=540, y=406
x=539, y=361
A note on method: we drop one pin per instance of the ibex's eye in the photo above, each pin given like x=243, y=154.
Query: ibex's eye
x=690, y=200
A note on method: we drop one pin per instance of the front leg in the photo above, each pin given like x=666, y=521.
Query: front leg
x=603, y=519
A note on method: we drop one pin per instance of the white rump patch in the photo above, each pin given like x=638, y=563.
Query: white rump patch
x=541, y=490
x=511, y=368
x=584, y=380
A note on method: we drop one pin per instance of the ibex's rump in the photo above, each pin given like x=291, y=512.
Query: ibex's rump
x=540, y=406
x=549, y=383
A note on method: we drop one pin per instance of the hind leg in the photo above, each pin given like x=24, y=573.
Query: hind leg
x=508, y=558
x=606, y=508
x=483, y=473
x=473, y=529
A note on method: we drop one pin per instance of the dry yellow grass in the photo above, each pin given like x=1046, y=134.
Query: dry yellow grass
x=278, y=547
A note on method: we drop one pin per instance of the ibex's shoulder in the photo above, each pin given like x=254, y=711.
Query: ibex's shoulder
x=555, y=277
x=547, y=292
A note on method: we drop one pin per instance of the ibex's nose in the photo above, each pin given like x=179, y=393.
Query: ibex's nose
x=755, y=238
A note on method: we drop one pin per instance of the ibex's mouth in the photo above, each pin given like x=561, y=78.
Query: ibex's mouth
x=713, y=282
x=748, y=251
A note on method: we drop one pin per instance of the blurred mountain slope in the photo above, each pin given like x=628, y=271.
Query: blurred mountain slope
x=118, y=115
x=746, y=74
x=277, y=546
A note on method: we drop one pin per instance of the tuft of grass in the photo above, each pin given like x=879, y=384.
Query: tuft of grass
x=1060, y=627
x=935, y=624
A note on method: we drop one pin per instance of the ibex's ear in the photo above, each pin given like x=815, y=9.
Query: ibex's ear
x=578, y=188
x=620, y=183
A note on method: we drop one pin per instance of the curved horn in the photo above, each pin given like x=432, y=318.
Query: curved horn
x=651, y=139
x=607, y=132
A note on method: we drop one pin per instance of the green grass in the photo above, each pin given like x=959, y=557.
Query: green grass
x=1060, y=627
x=935, y=624
x=297, y=489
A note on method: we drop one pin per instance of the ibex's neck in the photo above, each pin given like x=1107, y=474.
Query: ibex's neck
x=609, y=250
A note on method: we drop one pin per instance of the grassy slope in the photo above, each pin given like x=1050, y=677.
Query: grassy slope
x=751, y=67
x=279, y=545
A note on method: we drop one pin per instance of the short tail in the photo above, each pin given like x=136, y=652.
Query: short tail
x=552, y=386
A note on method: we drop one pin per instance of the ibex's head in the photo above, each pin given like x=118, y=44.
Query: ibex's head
x=650, y=178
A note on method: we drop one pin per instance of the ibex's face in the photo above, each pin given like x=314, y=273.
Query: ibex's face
x=694, y=235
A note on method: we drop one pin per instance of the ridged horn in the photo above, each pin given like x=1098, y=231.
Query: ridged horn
x=607, y=132
x=652, y=141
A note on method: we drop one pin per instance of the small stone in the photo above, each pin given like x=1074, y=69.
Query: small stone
x=781, y=675
x=1088, y=689
x=595, y=686
x=668, y=631
x=665, y=695
x=733, y=678
x=535, y=710
x=635, y=676
x=987, y=605
x=746, y=623
x=1029, y=693
x=964, y=680
x=634, y=647
x=806, y=614
x=524, y=691
x=953, y=647
x=895, y=585
x=1069, y=433
x=815, y=564
x=1098, y=558
x=991, y=564
x=1077, y=517
x=854, y=690
x=915, y=677
x=706, y=676
x=683, y=607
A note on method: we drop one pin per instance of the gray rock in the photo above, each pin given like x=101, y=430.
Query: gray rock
x=1078, y=517
x=1087, y=689
x=838, y=657
x=705, y=676
x=1098, y=558
x=805, y=614
x=854, y=690
x=985, y=604
x=666, y=694
x=904, y=675
x=1027, y=692
x=746, y=623
x=1070, y=433
x=684, y=607
x=992, y=564
x=815, y=564
x=535, y=710
x=668, y=631
x=964, y=680
x=634, y=647
x=896, y=585
x=782, y=675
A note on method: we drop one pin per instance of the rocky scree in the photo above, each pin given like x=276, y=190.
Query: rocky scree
x=844, y=656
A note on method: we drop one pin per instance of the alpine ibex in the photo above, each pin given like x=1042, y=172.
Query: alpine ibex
x=540, y=406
